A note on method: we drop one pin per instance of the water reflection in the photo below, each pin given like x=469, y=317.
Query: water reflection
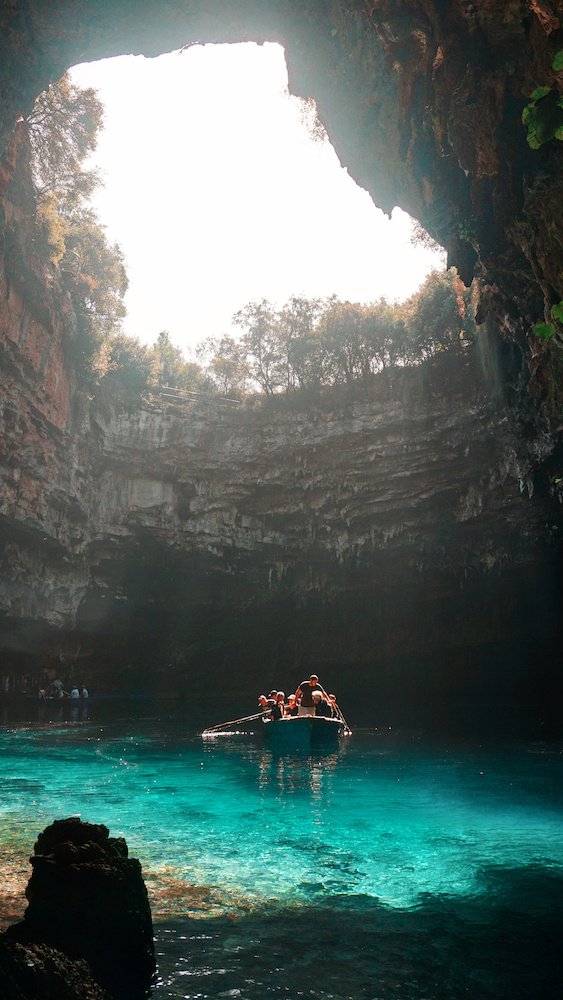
x=279, y=771
x=80, y=712
x=45, y=713
x=292, y=773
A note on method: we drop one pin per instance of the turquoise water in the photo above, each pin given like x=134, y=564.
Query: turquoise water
x=394, y=868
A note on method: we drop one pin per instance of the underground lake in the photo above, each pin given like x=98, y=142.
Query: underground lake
x=398, y=866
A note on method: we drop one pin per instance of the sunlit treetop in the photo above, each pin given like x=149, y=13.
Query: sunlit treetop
x=63, y=128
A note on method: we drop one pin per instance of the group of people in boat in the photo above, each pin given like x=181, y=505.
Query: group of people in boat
x=310, y=698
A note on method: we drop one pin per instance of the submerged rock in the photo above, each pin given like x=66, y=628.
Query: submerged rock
x=88, y=900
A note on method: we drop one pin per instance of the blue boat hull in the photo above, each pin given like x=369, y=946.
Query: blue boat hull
x=302, y=732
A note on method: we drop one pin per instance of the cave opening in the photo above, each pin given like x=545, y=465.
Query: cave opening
x=222, y=188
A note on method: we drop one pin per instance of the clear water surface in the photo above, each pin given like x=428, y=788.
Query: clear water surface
x=394, y=868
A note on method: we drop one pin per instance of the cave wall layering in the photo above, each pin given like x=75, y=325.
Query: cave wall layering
x=409, y=522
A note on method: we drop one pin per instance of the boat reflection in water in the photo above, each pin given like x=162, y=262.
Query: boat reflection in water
x=281, y=769
x=290, y=773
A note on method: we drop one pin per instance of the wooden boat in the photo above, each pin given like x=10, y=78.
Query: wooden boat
x=302, y=732
x=294, y=732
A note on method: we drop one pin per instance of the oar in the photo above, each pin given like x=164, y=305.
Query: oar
x=233, y=722
x=347, y=729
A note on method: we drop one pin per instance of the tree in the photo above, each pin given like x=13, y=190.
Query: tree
x=94, y=272
x=172, y=369
x=225, y=365
x=315, y=342
x=63, y=128
x=438, y=316
x=341, y=327
x=169, y=360
x=297, y=330
x=51, y=228
x=383, y=337
x=261, y=356
x=98, y=269
x=128, y=362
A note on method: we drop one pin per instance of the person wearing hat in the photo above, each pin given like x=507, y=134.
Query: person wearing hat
x=305, y=691
x=291, y=708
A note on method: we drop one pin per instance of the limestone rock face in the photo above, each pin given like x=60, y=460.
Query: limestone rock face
x=87, y=899
x=410, y=520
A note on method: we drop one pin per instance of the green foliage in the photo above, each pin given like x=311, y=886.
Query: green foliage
x=438, y=317
x=94, y=272
x=545, y=331
x=51, y=229
x=97, y=268
x=63, y=129
x=171, y=368
x=223, y=359
x=341, y=333
x=543, y=117
x=558, y=62
x=124, y=364
x=168, y=359
x=125, y=360
x=260, y=357
x=302, y=352
x=311, y=343
x=557, y=487
x=308, y=343
x=360, y=340
x=467, y=230
x=540, y=92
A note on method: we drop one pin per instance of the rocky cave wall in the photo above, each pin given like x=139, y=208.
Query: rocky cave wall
x=395, y=532
x=404, y=525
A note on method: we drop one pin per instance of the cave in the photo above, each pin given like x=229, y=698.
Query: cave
x=408, y=537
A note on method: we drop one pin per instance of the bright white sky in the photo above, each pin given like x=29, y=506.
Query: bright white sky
x=218, y=194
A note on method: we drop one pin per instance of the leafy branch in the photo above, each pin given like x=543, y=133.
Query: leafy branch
x=545, y=331
x=543, y=116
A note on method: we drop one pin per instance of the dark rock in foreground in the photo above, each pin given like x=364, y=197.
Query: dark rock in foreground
x=88, y=900
x=38, y=972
